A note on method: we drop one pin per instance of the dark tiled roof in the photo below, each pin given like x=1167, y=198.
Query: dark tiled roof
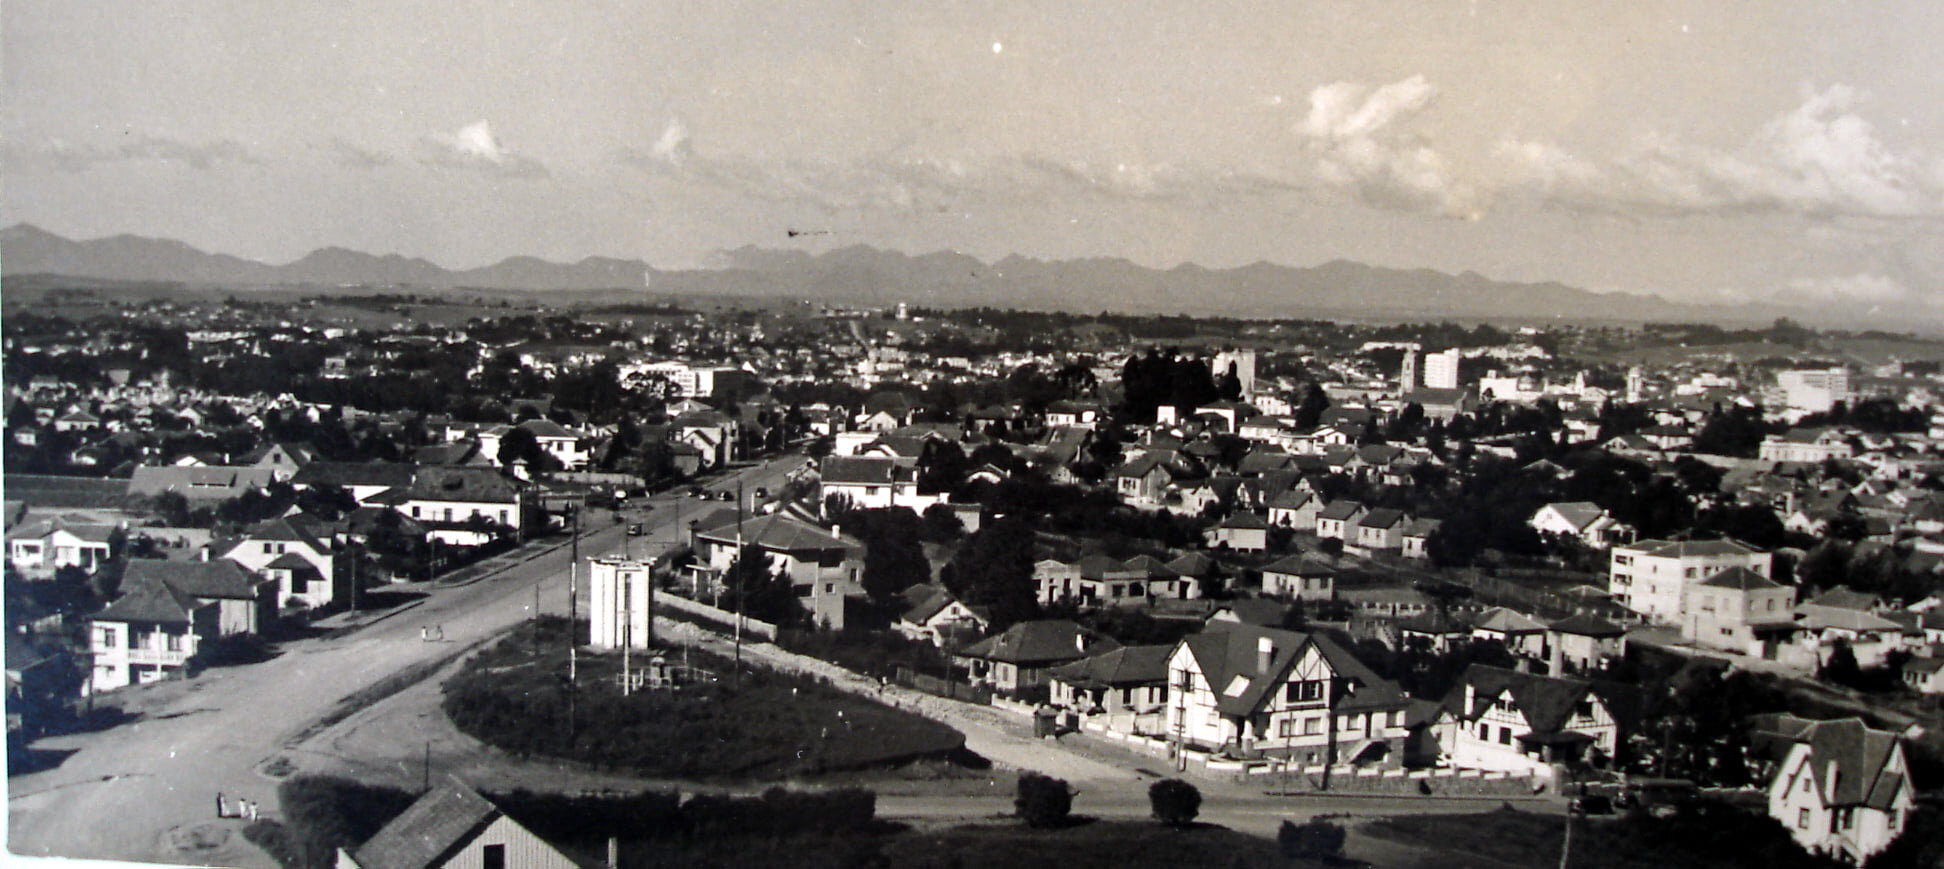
x=1049, y=641
x=1228, y=654
x=775, y=532
x=1341, y=508
x=1740, y=578
x=347, y=474
x=202, y=579
x=149, y=602
x=848, y=469
x=1300, y=565
x=441, y=821
x=1546, y=702
x=1587, y=626
x=1129, y=665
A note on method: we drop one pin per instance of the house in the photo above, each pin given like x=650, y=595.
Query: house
x=1415, y=542
x=1843, y=790
x=283, y=460
x=245, y=603
x=1023, y=655
x=1336, y=520
x=1057, y=580
x=869, y=483
x=463, y=506
x=1299, y=577
x=1922, y=675
x=1242, y=531
x=1737, y=610
x=1124, y=690
x=363, y=480
x=1388, y=602
x=1842, y=616
x=287, y=550
x=1519, y=633
x=1248, y=691
x=1295, y=508
x=1436, y=631
x=1585, y=521
x=1806, y=445
x=451, y=825
x=1585, y=642
x=935, y=616
x=147, y=634
x=1378, y=530
x=1103, y=580
x=37, y=547
x=825, y=567
x=1650, y=577
x=205, y=484
x=1502, y=720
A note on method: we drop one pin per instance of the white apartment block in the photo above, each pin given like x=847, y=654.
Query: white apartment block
x=1651, y=577
x=1441, y=369
x=1814, y=391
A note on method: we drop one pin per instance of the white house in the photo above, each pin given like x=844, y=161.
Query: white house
x=825, y=567
x=1299, y=577
x=1502, y=720
x=304, y=567
x=1843, y=790
x=1583, y=520
x=453, y=826
x=1251, y=691
x=39, y=547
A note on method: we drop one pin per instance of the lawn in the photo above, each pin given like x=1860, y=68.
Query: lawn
x=1704, y=834
x=763, y=726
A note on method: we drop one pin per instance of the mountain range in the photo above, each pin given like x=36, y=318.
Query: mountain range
x=867, y=275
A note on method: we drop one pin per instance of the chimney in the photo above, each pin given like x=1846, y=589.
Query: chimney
x=1080, y=641
x=1265, y=652
x=1556, y=655
x=614, y=853
x=1835, y=775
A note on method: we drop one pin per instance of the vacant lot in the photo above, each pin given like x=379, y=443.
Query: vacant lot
x=761, y=726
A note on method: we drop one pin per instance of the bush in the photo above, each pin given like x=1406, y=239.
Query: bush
x=1315, y=840
x=1043, y=801
x=322, y=814
x=1175, y=802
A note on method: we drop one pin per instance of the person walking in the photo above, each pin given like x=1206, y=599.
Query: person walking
x=222, y=806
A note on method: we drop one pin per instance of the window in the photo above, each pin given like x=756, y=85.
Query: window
x=1312, y=726
x=1306, y=691
x=492, y=857
x=107, y=638
x=1397, y=718
x=1623, y=559
x=1286, y=728
x=173, y=642
x=1505, y=736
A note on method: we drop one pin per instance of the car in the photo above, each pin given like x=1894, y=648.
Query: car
x=634, y=530
x=727, y=495
x=762, y=491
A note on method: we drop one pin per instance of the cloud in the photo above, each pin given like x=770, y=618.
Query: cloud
x=475, y=148
x=1821, y=158
x=354, y=157
x=1358, y=137
x=64, y=157
x=1860, y=288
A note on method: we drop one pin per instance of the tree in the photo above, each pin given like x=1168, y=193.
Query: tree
x=1314, y=840
x=894, y=557
x=1175, y=802
x=759, y=592
x=1310, y=411
x=942, y=524
x=519, y=445
x=1043, y=801
x=994, y=571
x=1230, y=386
x=1841, y=667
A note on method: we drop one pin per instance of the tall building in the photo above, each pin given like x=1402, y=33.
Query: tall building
x=1636, y=384
x=1441, y=369
x=1245, y=367
x=1407, y=376
x=1813, y=390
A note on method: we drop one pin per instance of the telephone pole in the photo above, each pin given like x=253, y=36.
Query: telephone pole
x=740, y=592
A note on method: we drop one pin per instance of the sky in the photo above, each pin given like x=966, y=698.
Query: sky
x=1705, y=151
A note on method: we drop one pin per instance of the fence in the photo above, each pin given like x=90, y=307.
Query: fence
x=980, y=694
x=722, y=618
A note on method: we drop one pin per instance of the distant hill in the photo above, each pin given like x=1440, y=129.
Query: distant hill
x=26, y=249
x=866, y=275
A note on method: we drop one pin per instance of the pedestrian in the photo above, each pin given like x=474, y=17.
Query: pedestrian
x=425, y=634
x=222, y=807
x=253, y=810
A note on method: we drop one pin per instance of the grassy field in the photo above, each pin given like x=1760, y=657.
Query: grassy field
x=765, y=726
x=1703, y=835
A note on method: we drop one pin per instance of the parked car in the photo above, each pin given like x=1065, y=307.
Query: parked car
x=634, y=530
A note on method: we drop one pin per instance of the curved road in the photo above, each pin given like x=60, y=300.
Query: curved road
x=146, y=791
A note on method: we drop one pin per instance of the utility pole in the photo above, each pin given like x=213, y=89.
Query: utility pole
x=1566, y=847
x=573, y=629
x=740, y=593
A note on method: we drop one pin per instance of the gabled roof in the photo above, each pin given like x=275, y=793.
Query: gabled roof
x=1547, y=702
x=1042, y=642
x=1300, y=565
x=1244, y=520
x=439, y=823
x=478, y=485
x=1128, y=665
x=1342, y=508
x=853, y=469
x=1578, y=514
x=1859, y=756
x=347, y=474
x=1229, y=658
x=1382, y=517
x=1844, y=597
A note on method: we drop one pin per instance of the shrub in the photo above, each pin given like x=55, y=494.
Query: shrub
x=1314, y=840
x=1043, y=801
x=322, y=814
x=1175, y=802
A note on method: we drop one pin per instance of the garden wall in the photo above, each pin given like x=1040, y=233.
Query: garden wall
x=751, y=627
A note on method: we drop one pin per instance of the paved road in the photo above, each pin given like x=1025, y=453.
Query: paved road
x=146, y=791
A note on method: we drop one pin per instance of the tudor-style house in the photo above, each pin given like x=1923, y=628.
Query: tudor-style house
x=1249, y=691
x=1843, y=789
x=286, y=550
x=1505, y=721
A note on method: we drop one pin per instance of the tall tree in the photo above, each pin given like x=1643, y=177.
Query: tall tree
x=994, y=571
